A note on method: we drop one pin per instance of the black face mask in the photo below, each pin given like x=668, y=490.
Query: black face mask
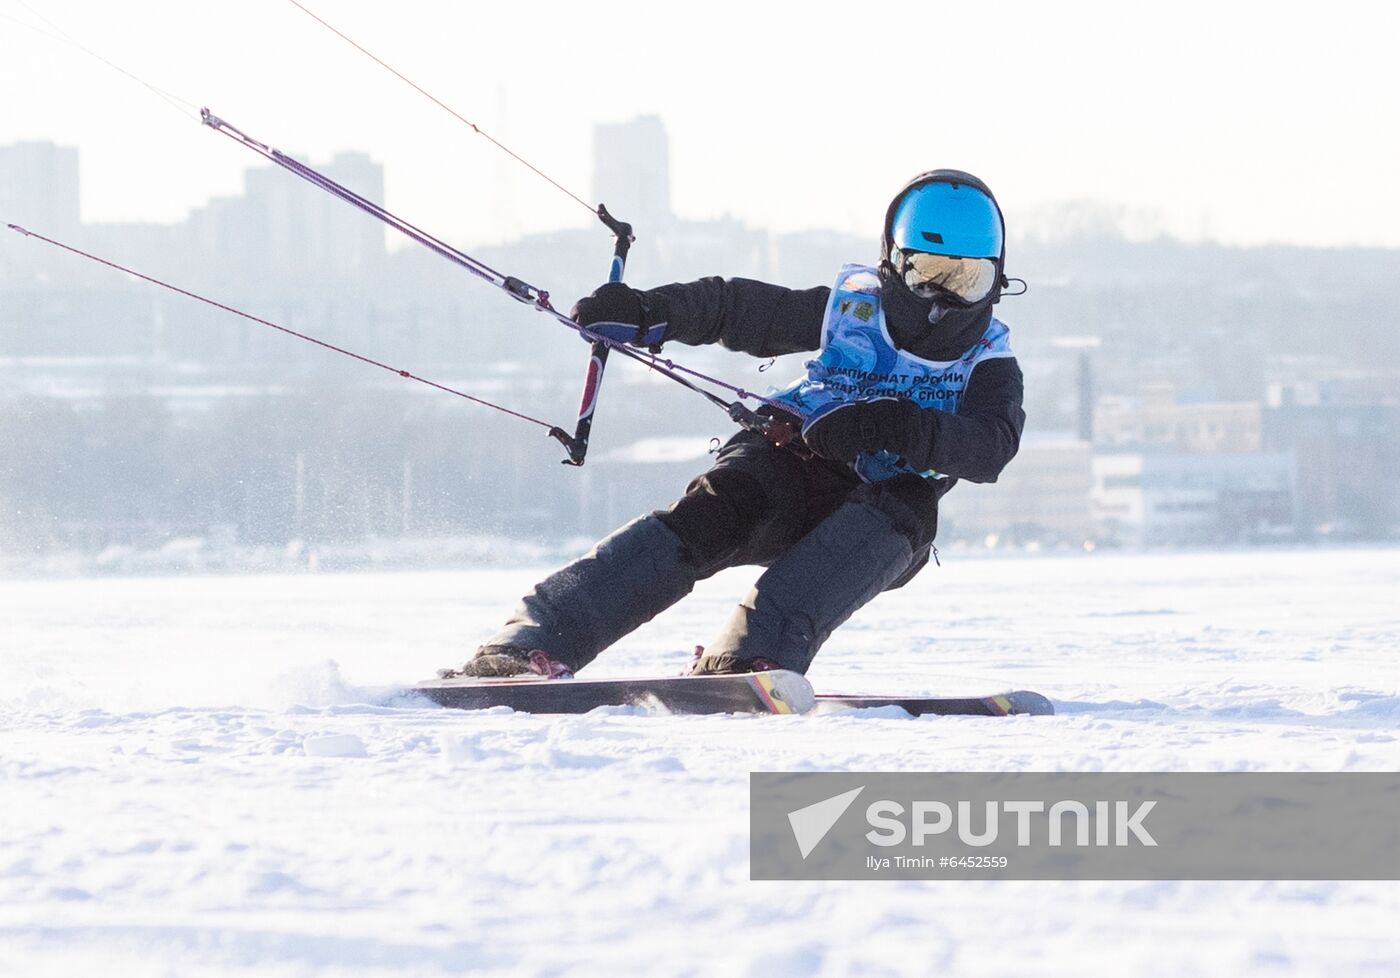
x=928, y=328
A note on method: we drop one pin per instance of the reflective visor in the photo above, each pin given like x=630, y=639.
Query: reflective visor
x=926, y=275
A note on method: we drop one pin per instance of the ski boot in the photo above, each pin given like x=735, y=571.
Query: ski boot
x=726, y=665
x=501, y=661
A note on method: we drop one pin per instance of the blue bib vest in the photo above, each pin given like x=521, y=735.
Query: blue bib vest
x=859, y=361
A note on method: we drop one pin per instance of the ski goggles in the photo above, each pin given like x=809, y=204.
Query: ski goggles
x=928, y=275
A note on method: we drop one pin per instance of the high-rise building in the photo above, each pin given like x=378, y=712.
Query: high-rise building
x=39, y=191
x=632, y=170
x=284, y=228
x=39, y=187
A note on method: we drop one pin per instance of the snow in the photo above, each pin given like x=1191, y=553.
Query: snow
x=218, y=776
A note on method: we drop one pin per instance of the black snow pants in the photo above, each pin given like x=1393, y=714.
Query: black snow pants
x=829, y=542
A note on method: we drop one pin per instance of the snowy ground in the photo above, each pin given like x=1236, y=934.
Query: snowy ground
x=214, y=776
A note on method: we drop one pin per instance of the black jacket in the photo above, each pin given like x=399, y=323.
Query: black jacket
x=975, y=443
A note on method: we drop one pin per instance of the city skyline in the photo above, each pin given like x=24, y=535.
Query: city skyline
x=1150, y=433
x=1205, y=124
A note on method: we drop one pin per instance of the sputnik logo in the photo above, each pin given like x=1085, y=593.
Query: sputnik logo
x=811, y=824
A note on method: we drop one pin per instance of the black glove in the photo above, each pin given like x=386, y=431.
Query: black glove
x=880, y=424
x=624, y=314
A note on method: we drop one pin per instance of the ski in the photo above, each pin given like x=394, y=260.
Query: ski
x=1017, y=702
x=778, y=691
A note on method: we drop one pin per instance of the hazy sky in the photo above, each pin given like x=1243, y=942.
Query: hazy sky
x=1237, y=122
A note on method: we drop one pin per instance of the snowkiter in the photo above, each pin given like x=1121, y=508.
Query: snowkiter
x=915, y=387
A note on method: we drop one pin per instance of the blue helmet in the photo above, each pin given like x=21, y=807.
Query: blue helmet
x=951, y=214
